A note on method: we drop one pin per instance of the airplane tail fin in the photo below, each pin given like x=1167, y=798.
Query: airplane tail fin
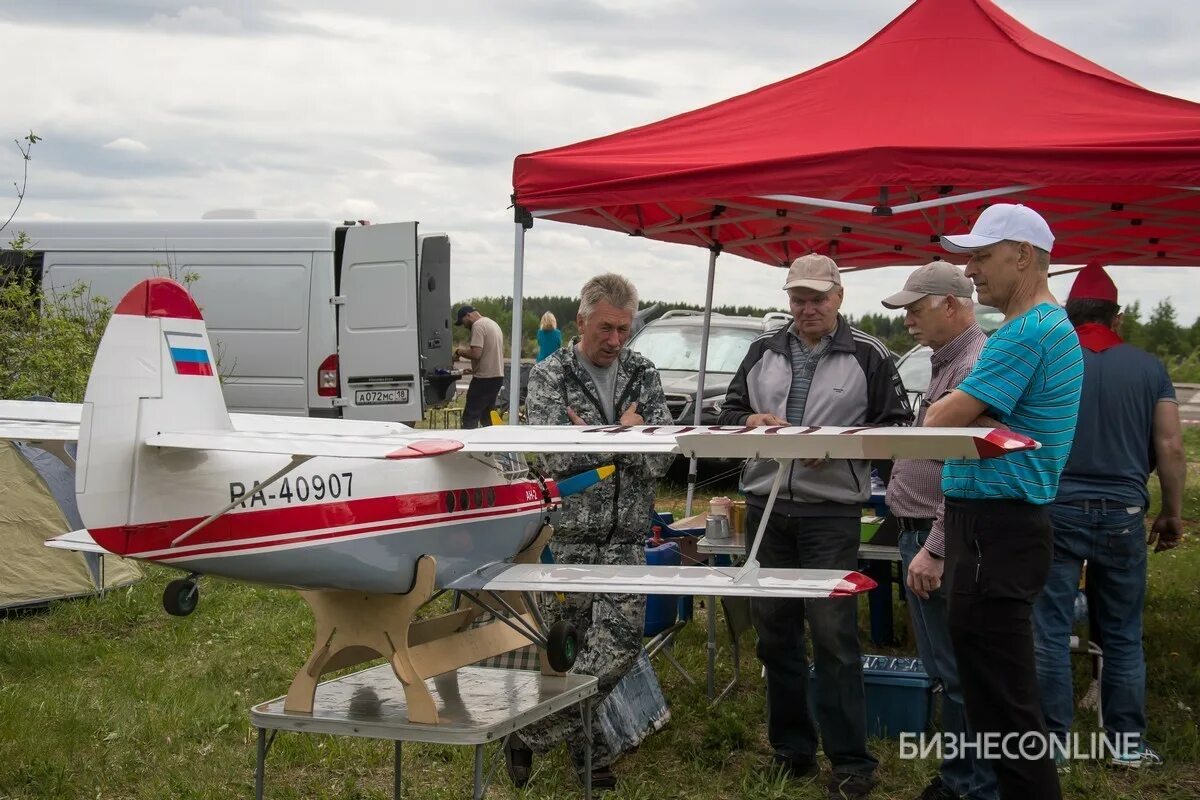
x=154, y=371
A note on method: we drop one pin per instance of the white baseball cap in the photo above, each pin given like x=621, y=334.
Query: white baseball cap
x=1001, y=222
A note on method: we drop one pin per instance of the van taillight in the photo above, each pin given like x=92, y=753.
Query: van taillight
x=327, y=377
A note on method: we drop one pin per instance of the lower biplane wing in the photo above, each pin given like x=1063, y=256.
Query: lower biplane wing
x=638, y=579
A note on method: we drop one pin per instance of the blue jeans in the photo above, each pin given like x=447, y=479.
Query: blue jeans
x=1112, y=539
x=966, y=776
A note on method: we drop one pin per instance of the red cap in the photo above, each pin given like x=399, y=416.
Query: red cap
x=1093, y=283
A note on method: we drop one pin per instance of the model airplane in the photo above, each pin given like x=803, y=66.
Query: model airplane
x=371, y=520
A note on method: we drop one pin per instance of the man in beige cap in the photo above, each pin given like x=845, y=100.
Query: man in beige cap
x=816, y=371
x=939, y=313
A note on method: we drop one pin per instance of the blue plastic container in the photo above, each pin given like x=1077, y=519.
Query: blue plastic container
x=661, y=609
x=899, y=695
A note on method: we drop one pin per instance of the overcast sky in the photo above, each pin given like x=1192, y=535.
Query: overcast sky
x=386, y=110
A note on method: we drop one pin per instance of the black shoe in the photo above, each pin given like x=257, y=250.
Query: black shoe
x=518, y=760
x=603, y=779
x=797, y=769
x=936, y=790
x=850, y=786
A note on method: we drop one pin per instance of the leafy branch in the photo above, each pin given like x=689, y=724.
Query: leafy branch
x=26, y=149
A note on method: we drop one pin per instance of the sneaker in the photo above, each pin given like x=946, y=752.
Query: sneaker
x=936, y=790
x=518, y=760
x=1142, y=757
x=850, y=786
x=796, y=769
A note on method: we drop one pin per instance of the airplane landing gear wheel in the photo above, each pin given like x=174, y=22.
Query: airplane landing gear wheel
x=562, y=645
x=181, y=596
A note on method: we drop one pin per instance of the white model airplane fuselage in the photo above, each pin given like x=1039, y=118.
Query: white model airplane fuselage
x=371, y=519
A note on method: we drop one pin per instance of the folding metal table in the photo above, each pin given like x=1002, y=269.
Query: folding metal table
x=476, y=706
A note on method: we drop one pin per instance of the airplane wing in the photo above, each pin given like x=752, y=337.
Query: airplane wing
x=392, y=446
x=638, y=579
x=729, y=441
x=37, y=421
x=80, y=541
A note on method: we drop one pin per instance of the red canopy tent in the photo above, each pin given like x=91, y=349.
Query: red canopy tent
x=869, y=157
x=872, y=156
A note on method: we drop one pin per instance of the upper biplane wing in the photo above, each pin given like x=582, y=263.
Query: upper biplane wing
x=639, y=579
x=729, y=441
x=392, y=446
x=36, y=421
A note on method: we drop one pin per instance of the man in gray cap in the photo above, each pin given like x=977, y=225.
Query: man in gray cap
x=816, y=371
x=939, y=313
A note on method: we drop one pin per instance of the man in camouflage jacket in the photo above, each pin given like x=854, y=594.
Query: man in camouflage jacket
x=595, y=380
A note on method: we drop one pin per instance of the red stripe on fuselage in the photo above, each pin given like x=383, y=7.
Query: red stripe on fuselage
x=385, y=512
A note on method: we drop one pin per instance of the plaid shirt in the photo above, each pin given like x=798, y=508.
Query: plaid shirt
x=915, y=490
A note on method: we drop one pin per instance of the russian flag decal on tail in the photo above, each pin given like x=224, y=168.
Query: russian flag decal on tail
x=188, y=353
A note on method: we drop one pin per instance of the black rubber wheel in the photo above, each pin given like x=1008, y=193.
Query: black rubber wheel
x=562, y=645
x=180, y=597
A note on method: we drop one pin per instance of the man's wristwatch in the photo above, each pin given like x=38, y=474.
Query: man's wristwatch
x=934, y=555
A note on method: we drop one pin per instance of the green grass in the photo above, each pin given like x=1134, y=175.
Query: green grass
x=113, y=699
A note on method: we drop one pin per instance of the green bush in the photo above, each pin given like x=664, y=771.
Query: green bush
x=47, y=342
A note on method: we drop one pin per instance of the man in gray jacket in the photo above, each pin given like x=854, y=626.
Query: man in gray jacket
x=596, y=380
x=816, y=371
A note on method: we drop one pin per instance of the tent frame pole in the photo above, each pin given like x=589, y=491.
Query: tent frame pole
x=522, y=221
x=696, y=410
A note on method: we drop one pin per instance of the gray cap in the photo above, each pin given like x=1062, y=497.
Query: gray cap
x=940, y=278
x=813, y=271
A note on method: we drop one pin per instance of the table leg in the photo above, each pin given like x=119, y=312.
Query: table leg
x=477, y=792
x=710, y=668
x=587, y=748
x=261, y=766
x=396, y=772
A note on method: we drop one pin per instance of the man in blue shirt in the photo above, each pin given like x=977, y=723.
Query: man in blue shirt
x=1128, y=426
x=999, y=545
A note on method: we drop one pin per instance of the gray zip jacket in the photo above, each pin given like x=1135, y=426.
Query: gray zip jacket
x=855, y=383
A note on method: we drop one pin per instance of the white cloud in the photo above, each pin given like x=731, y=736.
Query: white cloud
x=365, y=112
x=127, y=145
x=197, y=19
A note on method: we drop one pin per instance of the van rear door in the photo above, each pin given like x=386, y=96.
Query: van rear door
x=378, y=348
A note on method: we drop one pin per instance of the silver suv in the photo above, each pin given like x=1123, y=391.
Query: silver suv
x=672, y=343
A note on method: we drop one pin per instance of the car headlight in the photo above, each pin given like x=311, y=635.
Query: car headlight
x=713, y=404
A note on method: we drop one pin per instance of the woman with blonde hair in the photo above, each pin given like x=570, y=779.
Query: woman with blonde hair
x=549, y=336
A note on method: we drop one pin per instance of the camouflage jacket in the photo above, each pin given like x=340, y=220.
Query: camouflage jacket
x=617, y=508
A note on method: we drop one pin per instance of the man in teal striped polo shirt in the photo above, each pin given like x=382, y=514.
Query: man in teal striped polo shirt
x=999, y=543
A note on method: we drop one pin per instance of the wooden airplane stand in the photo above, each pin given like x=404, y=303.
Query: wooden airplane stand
x=355, y=627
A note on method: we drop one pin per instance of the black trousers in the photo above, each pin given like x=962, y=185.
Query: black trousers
x=998, y=554
x=481, y=399
x=839, y=705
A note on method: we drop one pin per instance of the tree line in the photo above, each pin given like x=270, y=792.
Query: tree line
x=1160, y=332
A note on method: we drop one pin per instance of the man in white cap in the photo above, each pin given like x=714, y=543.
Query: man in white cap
x=939, y=313
x=816, y=371
x=998, y=536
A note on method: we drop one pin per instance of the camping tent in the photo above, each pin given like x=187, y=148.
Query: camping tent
x=39, y=502
x=871, y=157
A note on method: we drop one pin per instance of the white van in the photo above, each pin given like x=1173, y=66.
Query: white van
x=307, y=317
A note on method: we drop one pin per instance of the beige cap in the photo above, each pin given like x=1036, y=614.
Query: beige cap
x=940, y=278
x=813, y=271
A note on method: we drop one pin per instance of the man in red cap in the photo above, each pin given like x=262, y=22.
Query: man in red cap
x=1128, y=426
